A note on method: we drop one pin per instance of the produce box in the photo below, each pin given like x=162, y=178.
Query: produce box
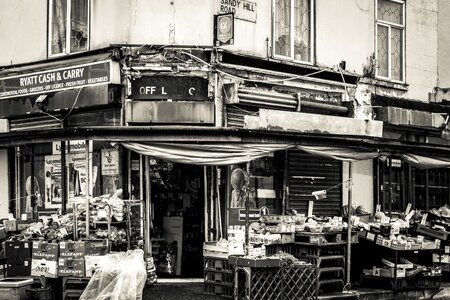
x=389, y=272
x=16, y=225
x=381, y=229
x=254, y=263
x=94, y=262
x=96, y=247
x=287, y=238
x=275, y=219
x=44, y=267
x=404, y=264
x=16, y=249
x=45, y=250
x=74, y=249
x=74, y=267
x=438, y=234
x=280, y=228
x=211, y=249
x=18, y=267
x=444, y=258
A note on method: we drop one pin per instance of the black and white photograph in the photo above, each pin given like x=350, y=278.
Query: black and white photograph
x=225, y=149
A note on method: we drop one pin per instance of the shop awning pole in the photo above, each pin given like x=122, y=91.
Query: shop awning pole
x=148, y=206
x=219, y=210
x=211, y=211
x=349, y=221
x=205, y=202
x=247, y=208
x=88, y=217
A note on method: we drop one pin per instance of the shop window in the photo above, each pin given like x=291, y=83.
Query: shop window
x=431, y=188
x=390, y=27
x=68, y=26
x=293, y=30
x=41, y=180
x=400, y=184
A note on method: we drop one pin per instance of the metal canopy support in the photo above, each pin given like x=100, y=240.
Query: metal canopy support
x=349, y=221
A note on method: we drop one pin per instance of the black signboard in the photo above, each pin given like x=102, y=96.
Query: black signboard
x=237, y=215
x=169, y=87
x=56, y=80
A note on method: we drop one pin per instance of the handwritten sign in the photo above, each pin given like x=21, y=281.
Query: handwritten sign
x=110, y=162
x=59, y=79
x=242, y=9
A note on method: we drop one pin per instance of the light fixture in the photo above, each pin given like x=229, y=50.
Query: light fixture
x=322, y=194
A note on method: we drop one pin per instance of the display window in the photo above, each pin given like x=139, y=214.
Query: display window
x=45, y=183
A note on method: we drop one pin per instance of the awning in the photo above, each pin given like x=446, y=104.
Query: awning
x=426, y=162
x=206, y=154
x=339, y=153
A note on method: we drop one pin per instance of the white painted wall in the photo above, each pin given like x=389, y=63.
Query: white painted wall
x=444, y=44
x=421, y=48
x=345, y=31
x=23, y=31
x=362, y=189
x=4, y=183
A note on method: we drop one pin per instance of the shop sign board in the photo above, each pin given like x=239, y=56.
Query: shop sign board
x=60, y=79
x=224, y=29
x=237, y=215
x=169, y=87
x=110, y=162
x=242, y=9
x=75, y=146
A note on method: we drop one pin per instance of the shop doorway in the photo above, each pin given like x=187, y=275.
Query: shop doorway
x=177, y=229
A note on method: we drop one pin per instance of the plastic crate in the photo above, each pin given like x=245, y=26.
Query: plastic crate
x=218, y=277
x=274, y=249
x=277, y=283
x=315, y=250
x=222, y=290
x=72, y=295
x=216, y=264
x=75, y=283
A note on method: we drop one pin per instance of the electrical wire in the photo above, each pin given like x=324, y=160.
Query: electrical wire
x=74, y=103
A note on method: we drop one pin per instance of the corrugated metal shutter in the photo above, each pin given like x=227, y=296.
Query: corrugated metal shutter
x=309, y=173
x=34, y=123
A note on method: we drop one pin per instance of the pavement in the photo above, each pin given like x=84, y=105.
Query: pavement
x=166, y=289
x=193, y=289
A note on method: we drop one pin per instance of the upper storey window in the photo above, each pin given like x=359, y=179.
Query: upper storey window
x=390, y=39
x=293, y=30
x=69, y=26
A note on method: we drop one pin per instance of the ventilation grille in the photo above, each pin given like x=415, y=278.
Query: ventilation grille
x=34, y=123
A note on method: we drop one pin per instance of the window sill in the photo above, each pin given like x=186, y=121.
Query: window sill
x=385, y=83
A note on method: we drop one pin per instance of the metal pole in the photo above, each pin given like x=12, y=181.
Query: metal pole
x=247, y=208
x=349, y=221
x=64, y=186
x=205, y=203
x=148, y=195
x=88, y=218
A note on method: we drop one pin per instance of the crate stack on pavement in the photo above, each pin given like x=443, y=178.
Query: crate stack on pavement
x=218, y=272
x=18, y=258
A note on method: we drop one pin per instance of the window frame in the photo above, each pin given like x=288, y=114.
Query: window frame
x=68, y=29
x=292, y=35
x=389, y=26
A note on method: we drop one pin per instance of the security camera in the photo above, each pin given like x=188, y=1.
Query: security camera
x=41, y=102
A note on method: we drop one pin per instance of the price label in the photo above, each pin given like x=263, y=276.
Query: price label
x=310, y=208
x=408, y=209
x=55, y=218
x=63, y=231
x=447, y=249
x=378, y=208
x=424, y=219
x=409, y=216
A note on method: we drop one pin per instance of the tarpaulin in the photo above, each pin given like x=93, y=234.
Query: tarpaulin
x=206, y=154
x=339, y=153
x=426, y=162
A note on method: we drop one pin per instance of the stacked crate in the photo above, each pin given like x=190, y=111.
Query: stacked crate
x=18, y=258
x=73, y=287
x=218, y=277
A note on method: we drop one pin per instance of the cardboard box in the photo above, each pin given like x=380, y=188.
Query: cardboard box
x=94, y=262
x=96, y=247
x=18, y=267
x=18, y=249
x=287, y=238
x=2, y=267
x=389, y=272
x=45, y=250
x=401, y=264
x=73, y=267
x=16, y=225
x=72, y=249
x=44, y=267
